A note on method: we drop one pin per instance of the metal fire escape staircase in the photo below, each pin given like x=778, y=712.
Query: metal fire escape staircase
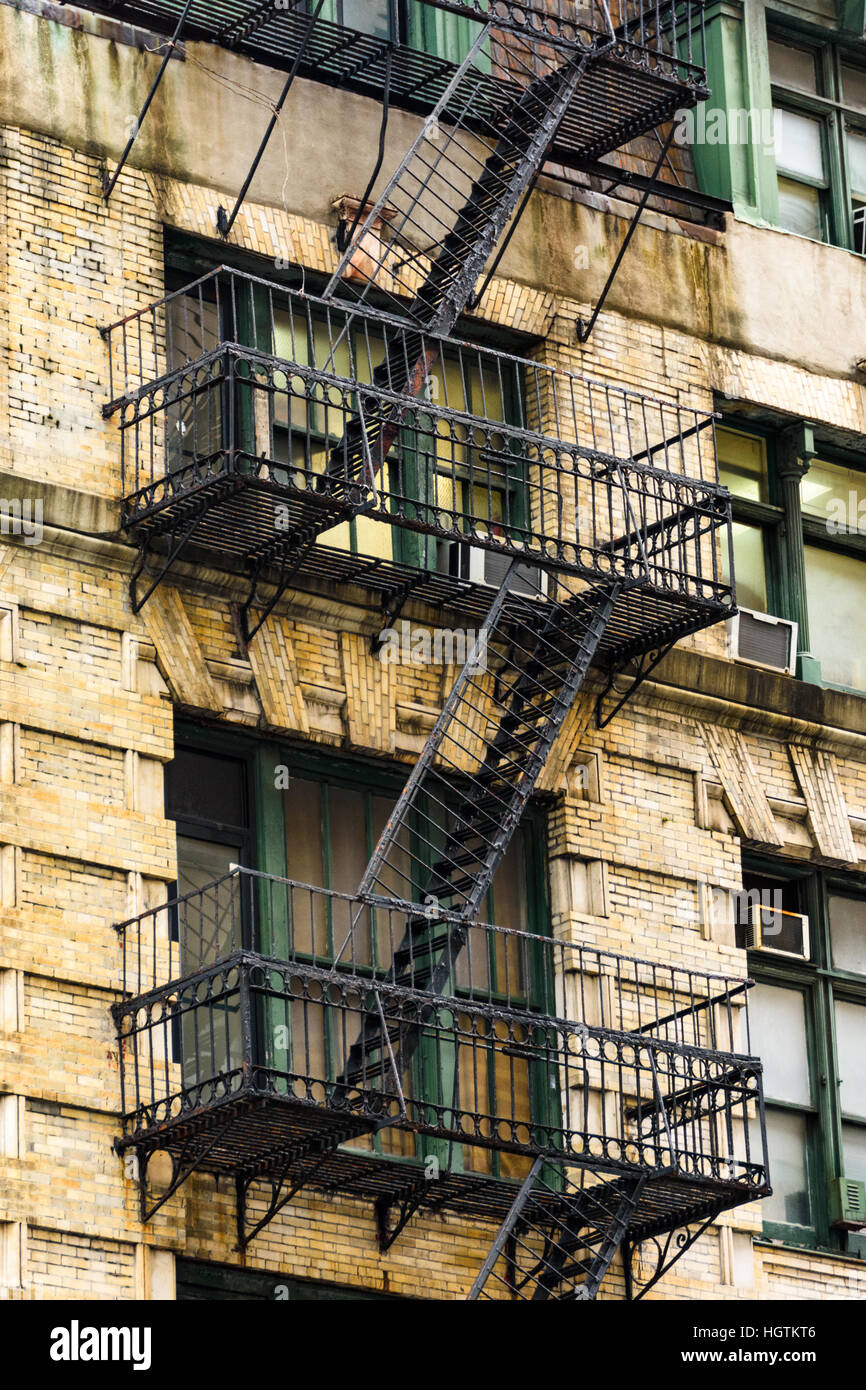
x=541, y=653
x=447, y=207
x=548, y=644
x=544, y=650
x=561, y=1247
x=455, y=190
x=448, y=204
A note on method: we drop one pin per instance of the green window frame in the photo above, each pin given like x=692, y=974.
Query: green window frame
x=816, y=1040
x=448, y=36
x=800, y=530
x=818, y=90
x=746, y=467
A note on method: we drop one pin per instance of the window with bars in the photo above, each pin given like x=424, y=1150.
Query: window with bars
x=432, y=464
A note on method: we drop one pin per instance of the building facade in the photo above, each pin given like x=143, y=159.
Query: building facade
x=228, y=633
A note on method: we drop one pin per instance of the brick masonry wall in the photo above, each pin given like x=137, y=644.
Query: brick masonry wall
x=87, y=693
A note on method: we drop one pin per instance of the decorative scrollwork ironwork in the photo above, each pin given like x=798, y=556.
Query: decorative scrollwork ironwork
x=667, y=1251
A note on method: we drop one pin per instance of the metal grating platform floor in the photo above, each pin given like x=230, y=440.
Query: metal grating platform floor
x=249, y=1136
x=234, y=517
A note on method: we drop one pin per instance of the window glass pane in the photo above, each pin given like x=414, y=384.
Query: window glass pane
x=200, y=862
x=799, y=147
x=750, y=567
x=349, y=848
x=800, y=209
x=208, y=925
x=786, y=1143
x=792, y=67
x=851, y=1050
x=859, y=210
x=194, y=423
x=370, y=16
x=857, y=162
x=848, y=933
x=193, y=328
x=302, y=808
x=201, y=787
x=778, y=1022
x=743, y=464
x=854, y=1152
x=854, y=87
x=837, y=615
x=835, y=494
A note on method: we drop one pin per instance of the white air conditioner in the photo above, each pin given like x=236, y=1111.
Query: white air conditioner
x=490, y=567
x=783, y=933
x=762, y=640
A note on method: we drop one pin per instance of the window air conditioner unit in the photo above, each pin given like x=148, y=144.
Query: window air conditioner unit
x=848, y=1204
x=783, y=933
x=489, y=568
x=762, y=640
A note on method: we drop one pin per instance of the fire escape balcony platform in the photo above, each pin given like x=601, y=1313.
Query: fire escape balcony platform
x=253, y=418
x=241, y=1064
x=261, y=1135
x=633, y=85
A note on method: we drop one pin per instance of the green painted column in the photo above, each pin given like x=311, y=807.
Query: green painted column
x=795, y=452
x=852, y=17
x=274, y=1017
x=732, y=133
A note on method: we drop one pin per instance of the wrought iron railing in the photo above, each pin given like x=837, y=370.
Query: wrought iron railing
x=235, y=381
x=648, y=32
x=536, y=1045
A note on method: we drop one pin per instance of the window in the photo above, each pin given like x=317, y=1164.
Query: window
x=422, y=26
x=833, y=506
x=384, y=19
x=824, y=519
x=743, y=468
x=333, y=818
x=435, y=473
x=819, y=120
x=194, y=429
x=201, y=1281
x=322, y=830
x=207, y=796
x=432, y=468
x=809, y=1028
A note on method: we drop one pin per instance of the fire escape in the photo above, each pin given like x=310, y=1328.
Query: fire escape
x=579, y=1102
